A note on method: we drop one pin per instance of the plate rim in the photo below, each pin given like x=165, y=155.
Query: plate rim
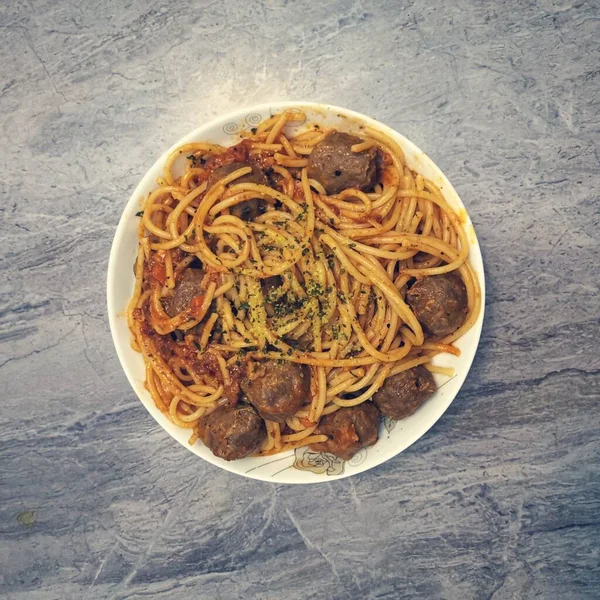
x=134, y=201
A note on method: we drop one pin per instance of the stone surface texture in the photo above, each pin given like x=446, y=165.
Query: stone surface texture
x=500, y=500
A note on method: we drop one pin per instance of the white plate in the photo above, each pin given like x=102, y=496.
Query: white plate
x=303, y=465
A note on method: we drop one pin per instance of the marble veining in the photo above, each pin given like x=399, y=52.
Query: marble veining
x=500, y=500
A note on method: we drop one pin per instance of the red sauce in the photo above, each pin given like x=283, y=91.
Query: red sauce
x=155, y=269
x=262, y=160
x=196, y=306
x=306, y=422
x=298, y=191
x=231, y=392
x=384, y=158
x=159, y=273
x=206, y=364
x=177, y=255
x=237, y=153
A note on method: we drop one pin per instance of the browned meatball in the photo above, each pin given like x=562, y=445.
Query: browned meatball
x=249, y=209
x=185, y=289
x=278, y=390
x=349, y=429
x=402, y=394
x=256, y=176
x=333, y=164
x=233, y=433
x=439, y=303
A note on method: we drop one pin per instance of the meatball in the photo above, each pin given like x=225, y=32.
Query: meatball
x=349, y=429
x=249, y=209
x=278, y=390
x=255, y=176
x=402, y=394
x=185, y=289
x=439, y=303
x=233, y=433
x=333, y=164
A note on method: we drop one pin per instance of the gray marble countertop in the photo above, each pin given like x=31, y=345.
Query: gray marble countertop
x=500, y=500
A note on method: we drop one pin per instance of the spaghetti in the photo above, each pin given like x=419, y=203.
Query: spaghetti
x=262, y=264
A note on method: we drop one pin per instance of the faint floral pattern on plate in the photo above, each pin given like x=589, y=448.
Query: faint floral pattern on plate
x=317, y=462
x=389, y=424
x=231, y=128
x=358, y=458
x=253, y=119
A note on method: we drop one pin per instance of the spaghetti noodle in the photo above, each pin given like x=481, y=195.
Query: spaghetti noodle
x=263, y=264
